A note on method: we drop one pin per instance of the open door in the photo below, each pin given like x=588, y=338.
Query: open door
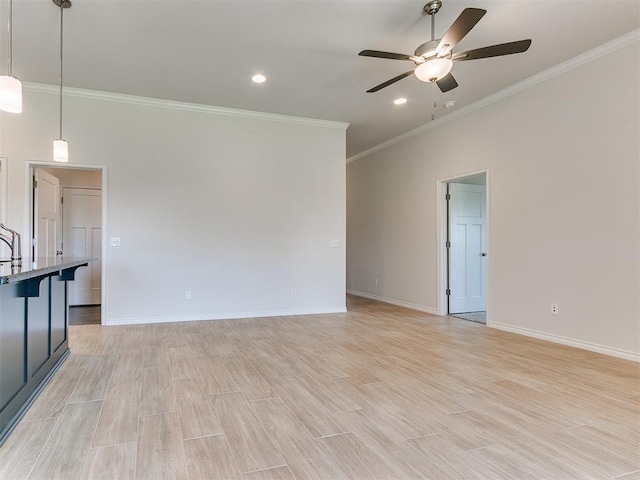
x=47, y=225
x=466, y=246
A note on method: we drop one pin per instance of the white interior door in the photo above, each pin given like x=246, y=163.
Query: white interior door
x=467, y=253
x=47, y=238
x=82, y=219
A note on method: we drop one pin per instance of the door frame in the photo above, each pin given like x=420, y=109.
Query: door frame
x=441, y=232
x=3, y=189
x=3, y=196
x=30, y=165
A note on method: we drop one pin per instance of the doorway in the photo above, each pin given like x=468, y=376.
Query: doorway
x=66, y=219
x=464, y=245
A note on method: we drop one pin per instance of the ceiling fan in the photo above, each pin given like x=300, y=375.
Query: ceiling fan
x=434, y=59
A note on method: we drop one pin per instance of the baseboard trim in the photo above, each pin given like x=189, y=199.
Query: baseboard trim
x=223, y=316
x=399, y=303
x=593, y=347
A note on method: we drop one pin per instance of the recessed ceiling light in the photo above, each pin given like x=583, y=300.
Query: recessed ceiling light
x=258, y=78
x=449, y=104
x=400, y=101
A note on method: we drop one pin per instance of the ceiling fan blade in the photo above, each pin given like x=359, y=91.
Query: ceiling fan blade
x=389, y=82
x=463, y=25
x=493, y=51
x=447, y=83
x=389, y=55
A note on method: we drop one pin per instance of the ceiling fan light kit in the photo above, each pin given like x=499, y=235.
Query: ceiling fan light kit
x=433, y=70
x=435, y=58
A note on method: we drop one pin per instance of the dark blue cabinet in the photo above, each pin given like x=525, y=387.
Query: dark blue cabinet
x=33, y=338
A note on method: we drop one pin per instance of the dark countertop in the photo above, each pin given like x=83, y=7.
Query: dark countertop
x=40, y=266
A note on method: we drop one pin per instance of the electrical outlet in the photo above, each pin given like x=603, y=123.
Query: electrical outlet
x=294, y=291
x=187, y=295
x=375, y=281
x=554, y=309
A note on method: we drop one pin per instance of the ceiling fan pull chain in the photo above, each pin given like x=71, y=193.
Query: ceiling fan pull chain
x=433, y=104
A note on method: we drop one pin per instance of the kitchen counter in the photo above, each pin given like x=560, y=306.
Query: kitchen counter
x=37, y=267
x=34, y=312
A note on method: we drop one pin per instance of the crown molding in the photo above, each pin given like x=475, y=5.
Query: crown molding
x=184, y=106
x=586, y=57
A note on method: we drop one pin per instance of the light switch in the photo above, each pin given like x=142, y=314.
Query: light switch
x=115, y=241
x=334, y=243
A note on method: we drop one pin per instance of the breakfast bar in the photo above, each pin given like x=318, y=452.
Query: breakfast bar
x=34, y=306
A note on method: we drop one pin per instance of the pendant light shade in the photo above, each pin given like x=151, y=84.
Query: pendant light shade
x=10, y=94
x=10, y=86
x=60, y=151
x=433, y=70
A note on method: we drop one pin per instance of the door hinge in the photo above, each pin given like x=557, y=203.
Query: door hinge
x=448, y=244
x=61, y=199
x=447, y=196
x=35, y=183
x=448, y=292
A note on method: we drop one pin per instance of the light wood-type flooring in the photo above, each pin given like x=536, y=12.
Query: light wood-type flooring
x=380, y=392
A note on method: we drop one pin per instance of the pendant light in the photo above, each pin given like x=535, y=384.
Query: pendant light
x=60, y=146
x=10, y=86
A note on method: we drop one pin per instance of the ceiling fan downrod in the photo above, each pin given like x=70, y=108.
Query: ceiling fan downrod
x=432, y=8
x=429, y=48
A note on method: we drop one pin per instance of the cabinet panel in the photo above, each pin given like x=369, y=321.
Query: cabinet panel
x=58, y=312
x=38, y=328
x=12, y=340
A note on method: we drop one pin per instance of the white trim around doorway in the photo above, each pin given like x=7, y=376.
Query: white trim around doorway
x=3, y=189
x=441, y=231
x=26, y=241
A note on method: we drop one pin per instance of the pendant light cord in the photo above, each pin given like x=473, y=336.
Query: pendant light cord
x=61, y=29
x=10, y=36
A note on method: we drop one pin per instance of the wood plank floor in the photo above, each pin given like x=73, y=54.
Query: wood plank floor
x=380, y=392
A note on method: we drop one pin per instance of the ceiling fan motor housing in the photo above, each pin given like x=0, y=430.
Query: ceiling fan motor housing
x=427, y=49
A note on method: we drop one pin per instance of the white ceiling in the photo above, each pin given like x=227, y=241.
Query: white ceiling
x=204, y=51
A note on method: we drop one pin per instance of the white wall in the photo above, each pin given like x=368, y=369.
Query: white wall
x=564, y=162
x=234, y=206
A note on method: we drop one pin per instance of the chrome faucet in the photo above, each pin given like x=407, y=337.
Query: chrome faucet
x=14, y=244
